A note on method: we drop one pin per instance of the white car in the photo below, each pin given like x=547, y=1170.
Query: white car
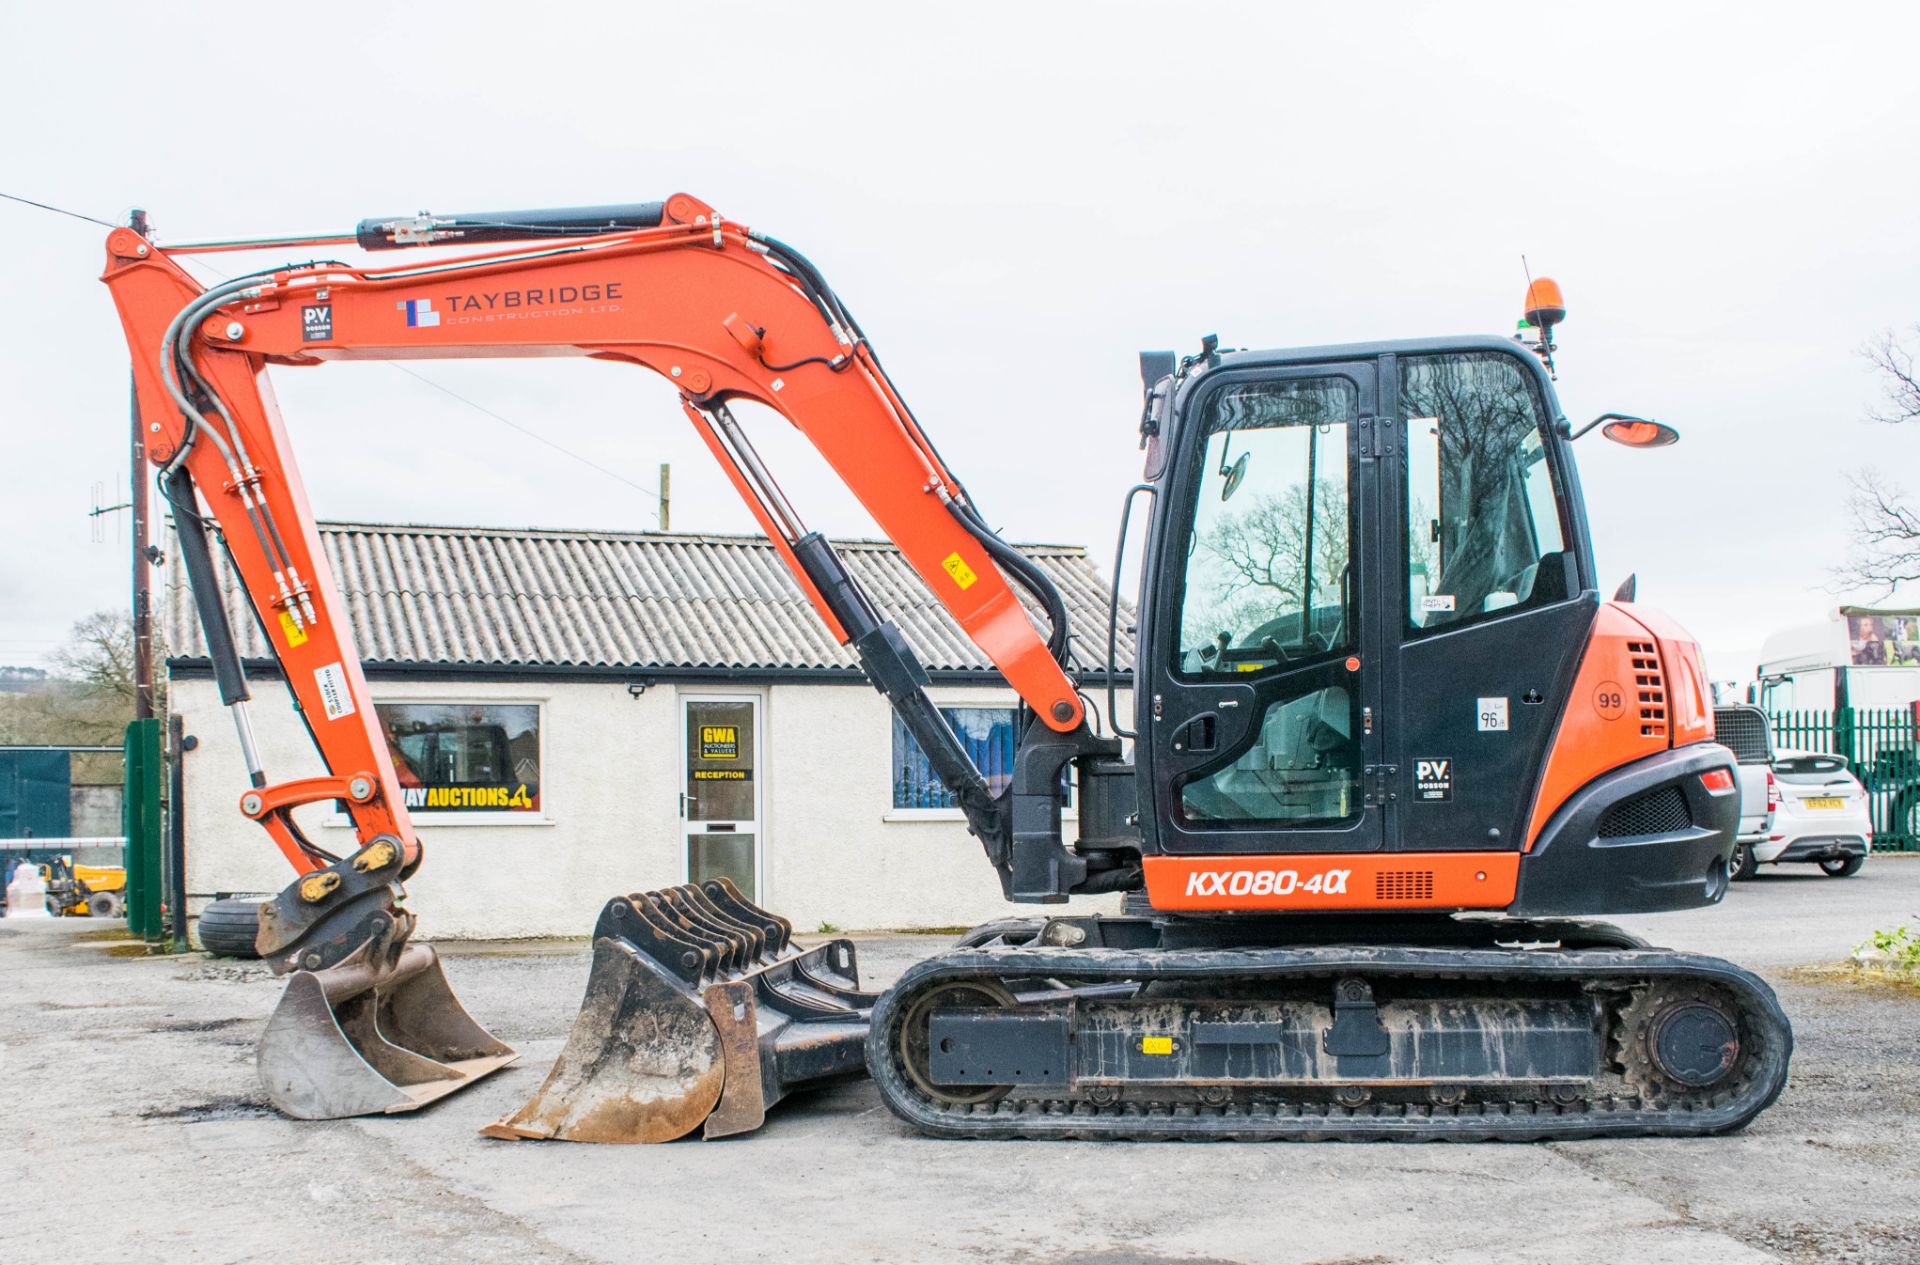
x=1818, y=813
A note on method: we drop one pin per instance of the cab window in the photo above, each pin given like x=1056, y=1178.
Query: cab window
x=1482, y=509
x=1268, y=558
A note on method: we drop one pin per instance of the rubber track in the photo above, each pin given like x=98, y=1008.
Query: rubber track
x=1272, y=1116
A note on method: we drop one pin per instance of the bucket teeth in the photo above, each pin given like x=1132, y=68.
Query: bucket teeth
x=733, y=949
x=700, y=1012
x=776, y=932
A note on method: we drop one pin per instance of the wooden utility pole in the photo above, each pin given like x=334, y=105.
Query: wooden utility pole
x=142, y=565
x=666, y=497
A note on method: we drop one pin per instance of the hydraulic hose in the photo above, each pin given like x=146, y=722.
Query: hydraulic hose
x=1027, y=574
x=176, y=370
x=1024, y=571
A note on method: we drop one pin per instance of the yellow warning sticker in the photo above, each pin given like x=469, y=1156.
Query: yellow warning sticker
x=296, y=635
x=957, y=568
x=1156, y=1045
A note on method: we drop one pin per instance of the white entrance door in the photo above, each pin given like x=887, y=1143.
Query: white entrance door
x=720, y=800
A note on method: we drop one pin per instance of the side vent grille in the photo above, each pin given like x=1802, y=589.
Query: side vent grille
x=1658, y=812
x=1403, y=885
x=1650, y=688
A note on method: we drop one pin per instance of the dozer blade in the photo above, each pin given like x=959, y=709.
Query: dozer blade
x=358, y=1039
x=699, y=1014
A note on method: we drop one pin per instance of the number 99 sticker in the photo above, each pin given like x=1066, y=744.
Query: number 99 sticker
x=1609, y=700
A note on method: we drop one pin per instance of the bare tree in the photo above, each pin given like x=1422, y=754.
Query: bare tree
x=1886, y=531
x=1265, y=553
x=1900, y=388
x=89, y=698
x=98, y=656
x=87, y=701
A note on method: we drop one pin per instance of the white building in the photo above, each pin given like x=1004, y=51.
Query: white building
x=578, y=715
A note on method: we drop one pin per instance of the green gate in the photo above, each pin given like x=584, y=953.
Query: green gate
x=140, y=811
x=1879, y=745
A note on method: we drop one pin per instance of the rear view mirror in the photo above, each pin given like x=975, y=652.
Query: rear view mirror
x=1639, y=433
x=1234, y=474
x=1631, y=431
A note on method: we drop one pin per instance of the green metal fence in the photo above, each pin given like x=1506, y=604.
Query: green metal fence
x=1879, y=744
x=140, y=811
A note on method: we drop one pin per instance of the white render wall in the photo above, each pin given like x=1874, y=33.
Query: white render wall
x=833, y=851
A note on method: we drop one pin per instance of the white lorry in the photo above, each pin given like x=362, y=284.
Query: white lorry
x=1850, y=685
x=1857, y=657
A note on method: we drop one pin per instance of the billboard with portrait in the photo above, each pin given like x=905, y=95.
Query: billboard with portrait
x=1882, y=639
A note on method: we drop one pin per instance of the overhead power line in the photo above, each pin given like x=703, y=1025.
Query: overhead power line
x=14, y=197
x=528, y=431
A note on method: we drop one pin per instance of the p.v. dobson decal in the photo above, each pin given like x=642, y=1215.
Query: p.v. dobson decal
x=1433, y=780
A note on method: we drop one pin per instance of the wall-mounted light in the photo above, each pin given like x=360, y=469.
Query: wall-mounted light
x=637, y=688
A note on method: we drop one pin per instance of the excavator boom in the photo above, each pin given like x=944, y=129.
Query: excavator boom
x=722, y=313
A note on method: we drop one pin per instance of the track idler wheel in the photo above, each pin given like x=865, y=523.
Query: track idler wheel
x=916, y=1055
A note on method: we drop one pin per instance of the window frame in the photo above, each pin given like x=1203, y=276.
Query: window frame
x=946, y=701
x=437, y=818
x=1189, y=478
x=1547, y=427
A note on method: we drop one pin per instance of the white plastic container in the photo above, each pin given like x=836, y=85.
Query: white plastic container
x=27, y=892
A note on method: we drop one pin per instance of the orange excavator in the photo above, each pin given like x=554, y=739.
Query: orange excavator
x=1389, y=744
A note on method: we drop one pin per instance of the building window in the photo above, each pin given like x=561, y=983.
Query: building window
x=986, y=732
x=465, y=757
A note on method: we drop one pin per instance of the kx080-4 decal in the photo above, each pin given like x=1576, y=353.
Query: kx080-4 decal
x=1266, y=883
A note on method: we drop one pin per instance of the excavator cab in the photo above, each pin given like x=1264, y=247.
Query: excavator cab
x=1394, y=568
x=1376, y=688
x=1367, y=605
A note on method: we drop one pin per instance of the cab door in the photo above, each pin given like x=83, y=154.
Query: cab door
x=1493, y=596
x=1260, y=666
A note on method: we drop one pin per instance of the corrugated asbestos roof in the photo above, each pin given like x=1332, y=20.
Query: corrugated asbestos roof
x=498, y=596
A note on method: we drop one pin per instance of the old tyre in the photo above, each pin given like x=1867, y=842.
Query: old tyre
x=228, y=928
x=104, y=904
x=1842, y=867
x=1741, y=864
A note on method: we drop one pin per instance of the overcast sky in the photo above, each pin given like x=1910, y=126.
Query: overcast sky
x=1014, y=199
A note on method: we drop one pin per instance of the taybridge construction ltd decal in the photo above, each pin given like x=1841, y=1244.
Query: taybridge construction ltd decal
x=481, y=307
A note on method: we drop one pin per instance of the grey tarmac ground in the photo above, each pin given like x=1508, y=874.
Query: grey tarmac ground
x=132, y=1130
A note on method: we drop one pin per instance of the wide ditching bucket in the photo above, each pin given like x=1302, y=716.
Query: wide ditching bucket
x=368, y=1024
x=376, y=1034
x=700, y=1013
